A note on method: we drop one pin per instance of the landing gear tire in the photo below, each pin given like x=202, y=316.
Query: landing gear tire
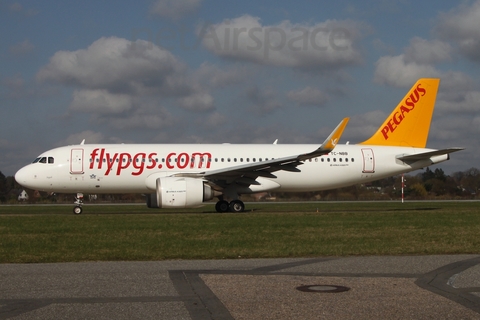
x=77, y=210
x=221, y=206
x=236, y=206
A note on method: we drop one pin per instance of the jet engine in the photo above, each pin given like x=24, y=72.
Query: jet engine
x=178, y=192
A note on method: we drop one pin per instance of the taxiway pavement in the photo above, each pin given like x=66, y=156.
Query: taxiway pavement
x=388, y=287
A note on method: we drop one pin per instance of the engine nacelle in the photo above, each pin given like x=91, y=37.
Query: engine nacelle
x=173, y=192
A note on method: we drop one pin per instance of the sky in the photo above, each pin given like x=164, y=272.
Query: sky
x=206, y=71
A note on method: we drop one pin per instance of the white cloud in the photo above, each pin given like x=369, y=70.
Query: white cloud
x=308, y=97
x=468, y=103
x=217, y=77
x=427, y=51
x=462, y=26
x=362, y=126
x=396, y=71
x=264, y=101
x=117, y=65
x=140, y=119
x=129, y=81
x=100, y=101
x=174, y=9
x=197, y=102
x=76, y=138
x=215, y=120
x=330, y=45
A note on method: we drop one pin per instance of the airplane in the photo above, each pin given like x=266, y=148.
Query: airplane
x=189, y=175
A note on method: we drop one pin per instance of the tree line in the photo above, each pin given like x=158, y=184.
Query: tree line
x=426, y=185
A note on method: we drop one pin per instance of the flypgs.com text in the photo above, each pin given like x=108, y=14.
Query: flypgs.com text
x=119, y=161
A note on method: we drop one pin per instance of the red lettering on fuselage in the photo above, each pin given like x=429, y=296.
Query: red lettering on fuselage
x=400, y=114
x=139, y=162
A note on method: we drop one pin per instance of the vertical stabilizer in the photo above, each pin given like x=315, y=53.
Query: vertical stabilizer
x=409, y=123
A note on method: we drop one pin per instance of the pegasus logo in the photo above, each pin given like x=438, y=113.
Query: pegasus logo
x=405, y=108
x=334, y=142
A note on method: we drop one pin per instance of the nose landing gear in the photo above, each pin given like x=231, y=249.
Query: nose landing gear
x=79, y=202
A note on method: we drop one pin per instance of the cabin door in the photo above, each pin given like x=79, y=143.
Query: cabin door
x=76, y=161
x=368, y=161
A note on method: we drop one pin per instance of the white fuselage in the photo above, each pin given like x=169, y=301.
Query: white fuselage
x=126, y=168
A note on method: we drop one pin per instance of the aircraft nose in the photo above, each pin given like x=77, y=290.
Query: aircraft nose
x=24, y=176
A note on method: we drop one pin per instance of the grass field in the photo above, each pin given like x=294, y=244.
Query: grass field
x=121, y=232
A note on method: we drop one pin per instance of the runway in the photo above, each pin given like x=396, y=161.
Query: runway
x=413, y=287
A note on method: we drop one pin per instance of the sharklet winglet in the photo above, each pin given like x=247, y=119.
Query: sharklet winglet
x=329, y=144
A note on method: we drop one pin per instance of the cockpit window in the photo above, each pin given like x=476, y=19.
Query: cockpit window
x=44, y=160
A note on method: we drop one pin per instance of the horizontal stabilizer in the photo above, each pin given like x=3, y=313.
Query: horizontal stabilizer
x=427, y=155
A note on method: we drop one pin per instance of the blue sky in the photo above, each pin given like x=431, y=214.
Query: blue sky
x=199, y=71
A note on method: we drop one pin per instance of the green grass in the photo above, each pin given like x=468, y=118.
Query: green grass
x=53, y=234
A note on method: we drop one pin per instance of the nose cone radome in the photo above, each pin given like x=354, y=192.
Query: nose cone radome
x=25, y=177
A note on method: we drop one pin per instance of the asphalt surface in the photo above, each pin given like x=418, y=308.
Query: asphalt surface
x=407, y=287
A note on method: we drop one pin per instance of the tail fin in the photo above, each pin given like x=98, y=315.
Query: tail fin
x=409, y=123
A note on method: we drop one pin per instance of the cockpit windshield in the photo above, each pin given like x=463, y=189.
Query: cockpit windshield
x=44, y=160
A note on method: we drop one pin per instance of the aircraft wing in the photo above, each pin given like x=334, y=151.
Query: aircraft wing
x=427, y=155
x=247, y=173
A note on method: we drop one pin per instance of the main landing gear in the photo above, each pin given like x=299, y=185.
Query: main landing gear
x=233, y=206
x=79, y=202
